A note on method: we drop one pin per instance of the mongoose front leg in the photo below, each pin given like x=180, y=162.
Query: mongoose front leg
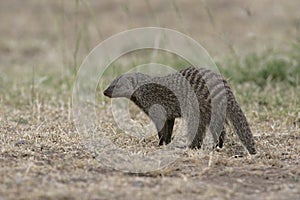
x=160, y=135
x=222, y=138
x=165, y=134
x=169, y=130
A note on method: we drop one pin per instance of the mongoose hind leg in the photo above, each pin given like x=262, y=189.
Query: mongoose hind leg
x=198, y=138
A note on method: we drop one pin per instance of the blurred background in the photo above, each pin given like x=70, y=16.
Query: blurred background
x=59, y=34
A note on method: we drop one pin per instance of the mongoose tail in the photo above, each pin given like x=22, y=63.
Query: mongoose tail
x=241, y=126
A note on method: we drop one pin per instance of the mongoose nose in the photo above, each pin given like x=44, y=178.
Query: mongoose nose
x=107, y=93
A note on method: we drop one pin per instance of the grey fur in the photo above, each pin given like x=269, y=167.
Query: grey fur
x=212, y=95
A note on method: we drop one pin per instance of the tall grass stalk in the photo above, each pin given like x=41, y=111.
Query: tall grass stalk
x=77, y=39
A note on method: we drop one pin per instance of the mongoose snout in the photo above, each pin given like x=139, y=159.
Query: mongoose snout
x=108, y=92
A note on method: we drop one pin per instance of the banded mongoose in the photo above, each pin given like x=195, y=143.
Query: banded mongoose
x=167, y=91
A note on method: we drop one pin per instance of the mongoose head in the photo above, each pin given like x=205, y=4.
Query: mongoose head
x=125, y=85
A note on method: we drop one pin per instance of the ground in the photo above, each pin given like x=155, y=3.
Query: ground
x=44, y=157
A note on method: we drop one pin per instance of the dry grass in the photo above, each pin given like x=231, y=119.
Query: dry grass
x=43, y=157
